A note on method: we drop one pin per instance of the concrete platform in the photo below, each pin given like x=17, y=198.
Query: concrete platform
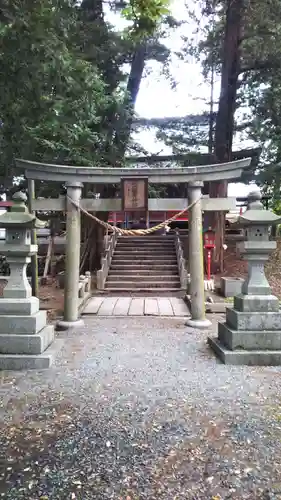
x=243, y=357
x=231, y=286
x=251, y=321
x=27, y=344
x=138, y=306
x=248, y=340
x=218, y=305
x=30, y=362
x=23, y=325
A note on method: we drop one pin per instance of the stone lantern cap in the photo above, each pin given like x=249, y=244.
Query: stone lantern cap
x=19, y=214
x=256, y=214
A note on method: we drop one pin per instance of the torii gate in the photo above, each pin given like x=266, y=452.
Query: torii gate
x=74, y=177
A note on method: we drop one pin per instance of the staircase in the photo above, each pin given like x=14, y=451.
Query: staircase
x=144, y=264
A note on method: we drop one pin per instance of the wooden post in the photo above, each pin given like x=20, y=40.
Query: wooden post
x=34, y=260
x=48, y=259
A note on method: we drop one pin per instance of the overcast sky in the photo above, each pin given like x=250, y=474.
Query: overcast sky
x=157, y=98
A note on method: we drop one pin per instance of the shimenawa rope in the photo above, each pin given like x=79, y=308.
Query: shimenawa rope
x=132, y=232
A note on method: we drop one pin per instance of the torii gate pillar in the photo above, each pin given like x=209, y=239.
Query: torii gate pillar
x=195, y=258
x=72, y=258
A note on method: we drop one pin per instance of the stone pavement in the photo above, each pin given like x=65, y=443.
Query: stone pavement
x=141, y=306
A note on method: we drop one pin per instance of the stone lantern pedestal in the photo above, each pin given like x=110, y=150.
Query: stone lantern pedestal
x=24, y=333
x=251, y=334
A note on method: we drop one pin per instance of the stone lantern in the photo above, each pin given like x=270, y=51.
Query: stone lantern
x=24, y=334
x=251, y=334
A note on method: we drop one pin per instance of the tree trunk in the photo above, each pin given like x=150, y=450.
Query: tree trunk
x=226, y=109
x=94, y=9
x=124, y=123
x=118, y=136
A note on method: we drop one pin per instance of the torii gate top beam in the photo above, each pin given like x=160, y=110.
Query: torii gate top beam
x=159, y=175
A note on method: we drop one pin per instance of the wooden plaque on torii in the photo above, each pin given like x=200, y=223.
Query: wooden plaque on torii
x=134, y=193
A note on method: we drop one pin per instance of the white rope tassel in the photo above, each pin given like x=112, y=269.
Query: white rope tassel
x=209, y=285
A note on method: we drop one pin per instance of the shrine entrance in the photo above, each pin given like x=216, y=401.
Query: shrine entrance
x=134, y=183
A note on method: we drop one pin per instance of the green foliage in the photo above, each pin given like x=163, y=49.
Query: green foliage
x=260, y=43
x=61, y=68
x=54, y=101
x=186, y=134
x=259, y=72
x=145, y=15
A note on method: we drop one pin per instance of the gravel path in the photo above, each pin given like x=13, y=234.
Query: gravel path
x=138, y=408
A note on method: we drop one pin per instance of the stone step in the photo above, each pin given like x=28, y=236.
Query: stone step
x=136, y=277
x=140, y=241
x=150, y=291
x=129, y=285
x=150, y=255
x=161, y=248
x=145, y=268
x=146, y=245
x=157, y=244
x=148, y=237
x=138, y=262
x=153, y=248
x=143, y=265
x=149, y=240
x=143, y=272
x=144, y=256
